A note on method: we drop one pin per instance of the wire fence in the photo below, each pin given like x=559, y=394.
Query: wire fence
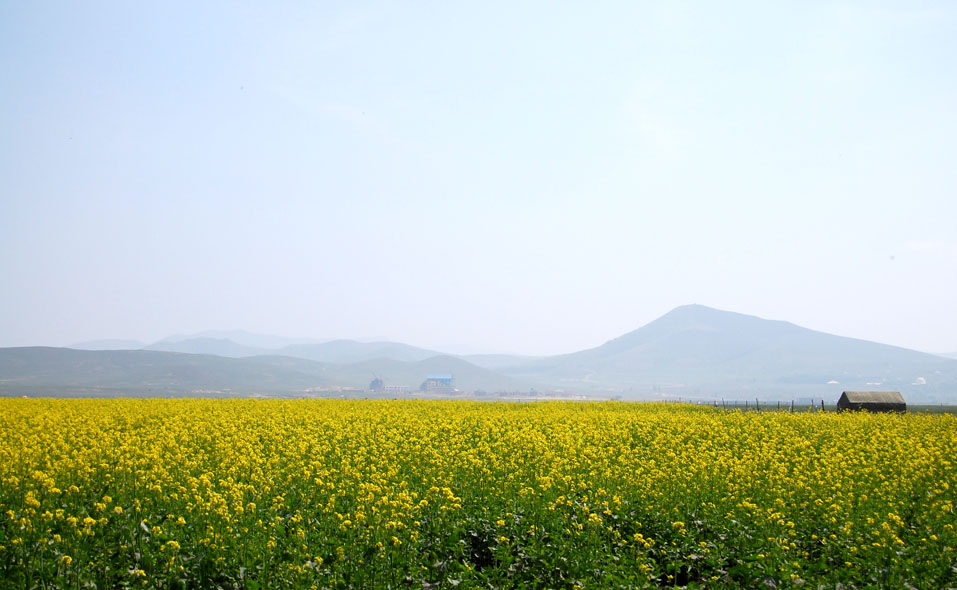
x=807, y=405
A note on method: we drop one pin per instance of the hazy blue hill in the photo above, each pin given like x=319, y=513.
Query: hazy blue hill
x=498, y=361
x=109, y=345
x=351, y=351
x=244, y=338
x=63, y=371
x=47, y=371
x=697, y=349
x=206, y=345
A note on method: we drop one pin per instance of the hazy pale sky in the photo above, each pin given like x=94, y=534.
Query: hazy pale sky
x=529, y=177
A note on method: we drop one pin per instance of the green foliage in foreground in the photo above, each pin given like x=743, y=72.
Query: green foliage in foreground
x=376, y=494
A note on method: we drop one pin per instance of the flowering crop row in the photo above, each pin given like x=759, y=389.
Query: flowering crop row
x=413, y=494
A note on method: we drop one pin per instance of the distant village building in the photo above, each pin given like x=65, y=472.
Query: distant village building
x=376, y=384
x=438, y=383
x=394, y=389
x=872, y=401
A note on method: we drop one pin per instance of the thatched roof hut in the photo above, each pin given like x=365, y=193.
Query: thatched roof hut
x=872, y=401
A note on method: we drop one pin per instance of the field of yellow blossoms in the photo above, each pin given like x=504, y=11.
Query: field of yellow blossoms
x=419, y=494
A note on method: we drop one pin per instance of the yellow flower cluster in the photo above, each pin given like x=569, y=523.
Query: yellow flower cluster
x=142, y=493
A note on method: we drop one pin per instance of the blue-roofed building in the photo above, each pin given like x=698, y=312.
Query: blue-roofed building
x=438, y=383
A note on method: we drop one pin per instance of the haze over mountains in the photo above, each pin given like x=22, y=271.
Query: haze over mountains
x=693, y=351
x=696, y=349
x=333, y=351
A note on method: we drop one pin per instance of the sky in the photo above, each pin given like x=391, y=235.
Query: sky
x=522, y=177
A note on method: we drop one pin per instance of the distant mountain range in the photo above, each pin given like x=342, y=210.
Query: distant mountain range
x=350, y=351
x=206, y=345
x=693, y=351
x=247, y=339
x=108, y=345
x=234, y=343
x=46, y=371
x=697, y=350
x=333, y=351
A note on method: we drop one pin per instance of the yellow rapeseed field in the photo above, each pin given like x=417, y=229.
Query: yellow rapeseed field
x=422, y=494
